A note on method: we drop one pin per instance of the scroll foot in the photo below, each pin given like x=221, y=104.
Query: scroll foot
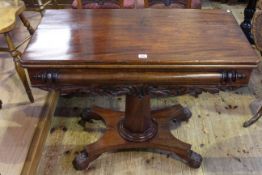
x=182, y=118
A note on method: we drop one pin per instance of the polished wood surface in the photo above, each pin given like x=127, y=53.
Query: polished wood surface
x=163, y=140
x=130, y=51
x=187, y=37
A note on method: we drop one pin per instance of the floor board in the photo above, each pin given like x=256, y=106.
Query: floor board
x=215, y=130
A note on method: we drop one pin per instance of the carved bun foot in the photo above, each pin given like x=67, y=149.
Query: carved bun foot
x=81, y=161
x=187, y=115
x=195, y=160
x=184, y=117
x=176, y=113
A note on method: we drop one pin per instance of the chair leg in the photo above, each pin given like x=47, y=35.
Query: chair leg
x=79, y=4
x=21, y=72
x=55, y=4
x=26, y=24
x=41, y=7
x=255, y=118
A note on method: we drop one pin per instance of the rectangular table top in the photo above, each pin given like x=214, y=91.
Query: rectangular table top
x=138, y=37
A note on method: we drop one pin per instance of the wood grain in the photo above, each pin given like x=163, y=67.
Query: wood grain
x=109, y=46
x=106, y=37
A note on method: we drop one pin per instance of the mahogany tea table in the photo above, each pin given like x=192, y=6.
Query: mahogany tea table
x=140, y=54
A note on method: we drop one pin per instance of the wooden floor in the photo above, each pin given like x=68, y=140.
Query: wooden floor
x=215, y=129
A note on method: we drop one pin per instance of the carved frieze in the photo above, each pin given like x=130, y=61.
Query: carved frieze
x=154, y=91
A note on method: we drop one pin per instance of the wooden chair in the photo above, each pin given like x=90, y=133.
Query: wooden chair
x=257, y=26
x=254, y=34
x=42, y=5
x=195, y=4
x=8, y=12
x=100, y=4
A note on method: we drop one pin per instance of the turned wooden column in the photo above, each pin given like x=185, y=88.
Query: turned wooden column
x=138, y=125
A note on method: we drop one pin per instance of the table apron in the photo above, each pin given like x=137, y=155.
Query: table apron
x=47, y=77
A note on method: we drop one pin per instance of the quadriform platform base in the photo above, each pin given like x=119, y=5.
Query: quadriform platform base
x=138, y=127
x=139, y=54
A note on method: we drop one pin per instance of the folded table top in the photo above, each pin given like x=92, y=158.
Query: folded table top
x=148, y=37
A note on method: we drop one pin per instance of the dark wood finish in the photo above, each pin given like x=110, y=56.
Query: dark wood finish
x=66, y=77
x=138, y=125
x=103, y=37
x=248, y=15
x=164, y=140
x=138, y=53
